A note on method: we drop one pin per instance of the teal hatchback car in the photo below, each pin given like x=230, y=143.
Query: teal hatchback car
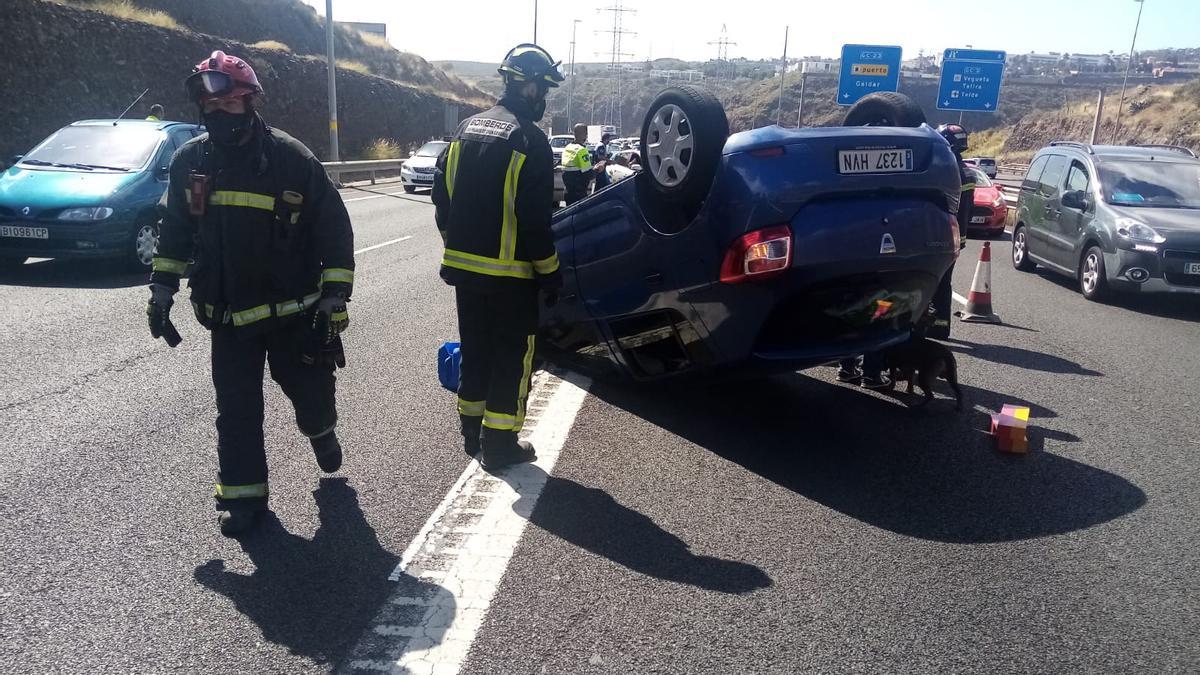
x=89, y=190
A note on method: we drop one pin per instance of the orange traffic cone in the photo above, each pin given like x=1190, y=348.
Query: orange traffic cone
x=979, y=302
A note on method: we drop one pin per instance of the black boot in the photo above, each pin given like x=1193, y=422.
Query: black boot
x=328, y=452
x=237, y=521
x=501, y=449
x=470, y=431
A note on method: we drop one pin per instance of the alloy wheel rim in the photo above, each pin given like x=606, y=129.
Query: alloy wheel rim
x=670, y=145
x=1090, y=273
x=1019, y=248
x=144, y=244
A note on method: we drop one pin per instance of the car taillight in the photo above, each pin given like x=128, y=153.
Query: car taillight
x=758, y=255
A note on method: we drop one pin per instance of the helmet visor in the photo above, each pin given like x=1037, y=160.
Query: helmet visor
x=209, y=84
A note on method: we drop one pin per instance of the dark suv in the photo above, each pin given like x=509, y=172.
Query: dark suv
x=1114, y=217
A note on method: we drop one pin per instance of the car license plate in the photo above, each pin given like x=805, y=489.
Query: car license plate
x=875, y=161
x=1191, y=268
x=978, y=219
x=23, y=232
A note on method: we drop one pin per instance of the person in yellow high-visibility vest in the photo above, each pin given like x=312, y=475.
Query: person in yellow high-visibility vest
x=577, y=166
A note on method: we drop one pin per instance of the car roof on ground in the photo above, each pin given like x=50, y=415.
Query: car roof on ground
x=159, y=124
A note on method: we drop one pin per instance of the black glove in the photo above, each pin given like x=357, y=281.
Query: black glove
x=158, y=309
x=336, y=314
x=322, y=346
x=550, y=284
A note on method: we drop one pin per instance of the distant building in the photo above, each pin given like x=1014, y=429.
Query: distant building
x=669, y=75
x=1044, y=60
x=811, y=65
x=379, y=29
x=626, y=67
x=1092, y=63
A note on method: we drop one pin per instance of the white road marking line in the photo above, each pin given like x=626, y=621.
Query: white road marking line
x=375, y=196
x=386, y=243
x=466, y=563
x=960, y=299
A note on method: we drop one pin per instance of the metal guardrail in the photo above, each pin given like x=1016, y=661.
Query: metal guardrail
x=1014, y=169
x=371, y=166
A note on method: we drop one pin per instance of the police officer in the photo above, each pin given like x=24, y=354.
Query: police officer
x=577, y=166
x=956, y=136
x=157, y=113
x=273, y=269
x=492, y=191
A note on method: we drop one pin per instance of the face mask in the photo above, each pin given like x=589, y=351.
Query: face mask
x=226, y=128
x=539, y=109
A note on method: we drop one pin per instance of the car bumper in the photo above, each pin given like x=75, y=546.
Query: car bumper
x=1165, y=270
x=418, y=180
x=994, y=218
x=90, y=240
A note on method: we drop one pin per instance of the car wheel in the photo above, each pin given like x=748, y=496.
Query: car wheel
x=1020, y=251
x=885, y=109
x=140, y=252
x=1093, y=282
x=683, y=135
x=410, y=189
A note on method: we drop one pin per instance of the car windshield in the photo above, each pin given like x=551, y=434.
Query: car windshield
x=432, y=149
x=560, y=142
x=1151, y=184
x=118, y=148
x=981, y=179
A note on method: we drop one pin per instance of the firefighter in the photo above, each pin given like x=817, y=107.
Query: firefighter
x=956, y=136
x=492, y=192
x=577, y=166
x=273, y=268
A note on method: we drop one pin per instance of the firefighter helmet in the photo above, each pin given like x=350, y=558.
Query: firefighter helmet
x=955, y=135
x=221, y=76
x=530, y=63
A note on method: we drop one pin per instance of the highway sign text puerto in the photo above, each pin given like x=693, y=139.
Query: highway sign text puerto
x=971, y=80
x=867, y=69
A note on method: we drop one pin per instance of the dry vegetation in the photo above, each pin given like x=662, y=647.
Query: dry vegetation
x=383, y=148
x=272, y=45
x=125, y=9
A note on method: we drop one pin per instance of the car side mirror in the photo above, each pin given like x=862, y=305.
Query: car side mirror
x=1076, y=199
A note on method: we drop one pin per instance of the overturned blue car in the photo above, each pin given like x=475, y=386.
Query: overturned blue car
x=769, y=250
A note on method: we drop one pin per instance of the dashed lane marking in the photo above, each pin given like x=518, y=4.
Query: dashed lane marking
x=448, y=575
x=386, y=243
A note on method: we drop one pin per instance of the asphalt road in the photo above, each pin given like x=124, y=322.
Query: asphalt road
x=790, y=525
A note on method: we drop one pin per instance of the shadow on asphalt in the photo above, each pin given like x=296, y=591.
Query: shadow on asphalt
x=1164, y=305
x=929, y=474
x=592, y=520
x=1022, y=358
x=83, y=274
x=319, y=597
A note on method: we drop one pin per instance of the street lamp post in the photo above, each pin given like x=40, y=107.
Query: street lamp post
x=1128, y=65
x=332, y=68
x=535, y=13
x=571, y=87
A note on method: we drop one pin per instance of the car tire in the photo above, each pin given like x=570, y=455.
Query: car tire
x=1020, y=250
x=1093, y=280
x=410, y=189
x=139, y=252
x=885, y=109
x=683, y=135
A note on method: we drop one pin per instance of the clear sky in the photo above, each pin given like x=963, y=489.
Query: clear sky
x=475, y=30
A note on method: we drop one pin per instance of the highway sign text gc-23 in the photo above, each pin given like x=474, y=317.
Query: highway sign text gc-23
x=867, y=69
x=971, y=80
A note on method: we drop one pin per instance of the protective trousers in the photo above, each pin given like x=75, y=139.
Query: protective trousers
x=237, y=371
x=576, y=184
x=497, y=333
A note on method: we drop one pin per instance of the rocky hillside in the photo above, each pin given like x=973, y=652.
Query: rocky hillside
x=78, y=64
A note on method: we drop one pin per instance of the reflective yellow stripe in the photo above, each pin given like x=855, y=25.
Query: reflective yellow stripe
x=168, y=265
x=337, y=274
x=523, y=391
x=517, y=269
x=500, y=421
x=968, y=186
x=470, y=408
x=508, y=228
x=241, y=491
x=294, y=307
x=547, y=265
x=451, y=168
x=248, y=316
x=250, y=200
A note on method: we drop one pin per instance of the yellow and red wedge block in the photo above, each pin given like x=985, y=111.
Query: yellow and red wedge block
x=1010, y=427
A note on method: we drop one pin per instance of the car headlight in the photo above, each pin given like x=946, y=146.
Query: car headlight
x=87, y=214
x=1138, y=231
x=999, y=202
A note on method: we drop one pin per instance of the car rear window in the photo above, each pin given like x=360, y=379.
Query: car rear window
x=120, y=147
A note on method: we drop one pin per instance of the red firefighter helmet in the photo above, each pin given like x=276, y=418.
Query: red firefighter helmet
x=221, y=76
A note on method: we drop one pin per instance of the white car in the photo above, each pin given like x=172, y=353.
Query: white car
x=557, y=143
x=417, y=171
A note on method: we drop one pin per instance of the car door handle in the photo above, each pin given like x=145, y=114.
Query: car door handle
x=654, y=278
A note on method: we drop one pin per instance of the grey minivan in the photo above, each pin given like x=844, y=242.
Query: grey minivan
x=1123, y=218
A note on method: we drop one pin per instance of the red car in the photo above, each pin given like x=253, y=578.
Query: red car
x=990, y=211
